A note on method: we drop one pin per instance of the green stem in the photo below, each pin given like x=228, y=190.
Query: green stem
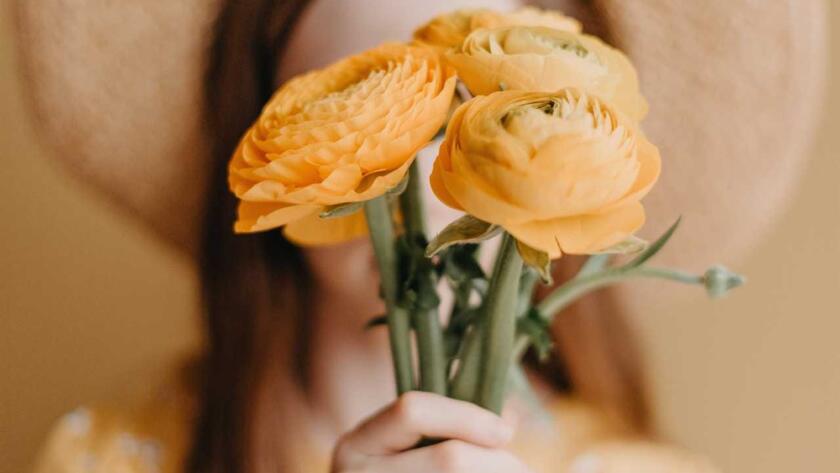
x=431, y=352
x=526, y=290
x=465, y=383
x=567, y=293
x=591, y=281
x=381, y=227
x=499, y=327
x=411, y=202
x=520, y=347
x=431, y=349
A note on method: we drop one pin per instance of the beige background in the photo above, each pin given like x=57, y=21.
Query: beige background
x=91, y=307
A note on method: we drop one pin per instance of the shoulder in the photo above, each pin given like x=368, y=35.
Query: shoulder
x=581, y=438
x=637, y=456
x=149, y=438
x=98, y=440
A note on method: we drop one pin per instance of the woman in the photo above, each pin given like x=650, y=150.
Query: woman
x=288, y=377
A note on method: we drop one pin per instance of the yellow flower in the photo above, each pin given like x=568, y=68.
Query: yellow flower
x=544, y=59
x=562, y=172
x=343, y=134
x=450, y=30
x=526, y=16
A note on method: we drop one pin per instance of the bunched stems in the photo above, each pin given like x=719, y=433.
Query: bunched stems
x=380, y=224
x=491, y=344
x=464, y=386
x=465, y=382
x=499, y=327
x=430, y=345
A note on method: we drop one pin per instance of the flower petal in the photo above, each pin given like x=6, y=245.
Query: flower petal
x=481, y=204
x=259, y=216
x=584, y=234
x=650, y=166
x=316, y=231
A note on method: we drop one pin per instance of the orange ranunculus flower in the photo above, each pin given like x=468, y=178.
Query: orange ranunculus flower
x=343, y=134
x=563, y=172
x=450, y=30
x=544, y=59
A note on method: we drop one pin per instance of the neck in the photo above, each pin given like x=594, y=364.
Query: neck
x=349, y=367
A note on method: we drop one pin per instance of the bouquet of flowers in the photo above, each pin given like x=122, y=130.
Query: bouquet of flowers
x=543, y=149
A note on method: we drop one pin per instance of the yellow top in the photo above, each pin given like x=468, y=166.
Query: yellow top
x=154, y=438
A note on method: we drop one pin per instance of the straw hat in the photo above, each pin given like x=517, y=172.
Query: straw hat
x=734, y=88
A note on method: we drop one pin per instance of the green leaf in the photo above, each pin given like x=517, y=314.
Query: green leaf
x=629, y=246
x=417, y=273
x=459, y=264
x=466, y=229
x=654, y=248
x=342, y=210
x=533, y=326
x=427, y=299
x=462, y=319
x=536, y=259
x=481, y=286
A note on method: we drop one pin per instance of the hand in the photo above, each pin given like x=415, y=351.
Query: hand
x=476, y=439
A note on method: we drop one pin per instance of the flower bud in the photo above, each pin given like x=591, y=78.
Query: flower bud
x=719, y=280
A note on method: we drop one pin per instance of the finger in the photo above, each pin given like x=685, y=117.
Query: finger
x=452, y=456
x=511, y=416
x=416, y=415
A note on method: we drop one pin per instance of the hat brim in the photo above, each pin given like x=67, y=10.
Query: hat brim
x=734, y=89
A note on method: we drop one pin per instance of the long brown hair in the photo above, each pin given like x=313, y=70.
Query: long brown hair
x=254, y=287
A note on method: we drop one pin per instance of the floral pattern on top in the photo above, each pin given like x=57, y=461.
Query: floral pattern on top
x=155, y=439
